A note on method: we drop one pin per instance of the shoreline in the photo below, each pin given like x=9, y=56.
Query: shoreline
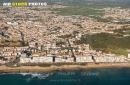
x=5, y=69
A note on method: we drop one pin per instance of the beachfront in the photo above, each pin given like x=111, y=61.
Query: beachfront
x=5, y=69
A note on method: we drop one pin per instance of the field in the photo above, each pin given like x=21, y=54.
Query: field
x=109, y=43
x=79, y=10
x=13, y=42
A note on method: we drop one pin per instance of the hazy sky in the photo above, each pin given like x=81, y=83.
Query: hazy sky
x=59, y=0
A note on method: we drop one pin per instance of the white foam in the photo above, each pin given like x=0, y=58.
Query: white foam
x=33, y=75
x=41, y=75
x=24, y=74
x=37, y=75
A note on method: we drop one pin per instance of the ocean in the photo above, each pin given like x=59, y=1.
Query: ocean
x=104, y=76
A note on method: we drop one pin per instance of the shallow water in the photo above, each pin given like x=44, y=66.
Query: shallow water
x=117, y=76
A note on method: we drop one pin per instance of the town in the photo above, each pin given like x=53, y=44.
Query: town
x=40, y=35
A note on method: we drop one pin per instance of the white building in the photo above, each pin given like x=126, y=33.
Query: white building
x=84, y=59
x=128, y=55
x=110, y=59
x=63, y=60
x=42, y=59
x=12, y=23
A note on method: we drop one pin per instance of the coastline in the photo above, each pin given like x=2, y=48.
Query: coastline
x=5, y=69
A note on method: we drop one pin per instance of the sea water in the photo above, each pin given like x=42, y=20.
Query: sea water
x=104, y=76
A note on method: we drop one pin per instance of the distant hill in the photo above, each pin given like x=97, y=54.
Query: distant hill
x=81, y=2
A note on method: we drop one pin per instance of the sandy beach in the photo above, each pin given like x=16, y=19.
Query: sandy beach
x=4, y=69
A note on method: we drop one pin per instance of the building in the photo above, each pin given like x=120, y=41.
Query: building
x=33, y=59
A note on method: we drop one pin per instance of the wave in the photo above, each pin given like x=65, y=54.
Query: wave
x=42, y=75
x=38, y=75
